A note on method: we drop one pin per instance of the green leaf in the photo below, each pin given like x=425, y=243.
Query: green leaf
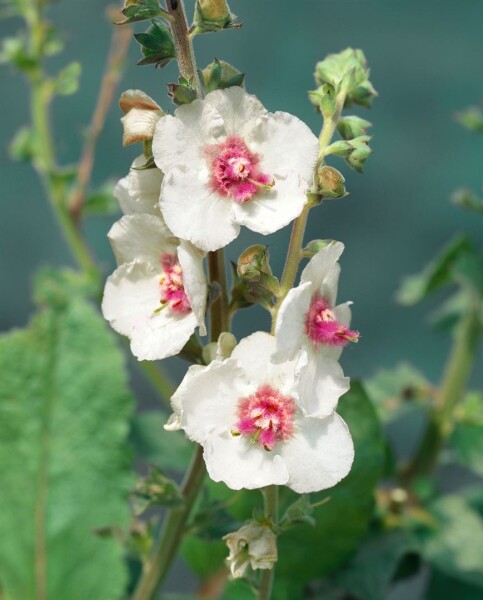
x=471, y=118
x=23, y=145
x=204, y=557
x=370, y=572
x=57, y=287
x=342, y=522
x=396, y=391
x=67, y=81
x=435, y=275
x=442, y=587
x=152, y=443
x=64, y=470
x=157, y=45
x=15, y=50
x=141, y=10
x=455, y=545
x=467, y=437
x=101, y=201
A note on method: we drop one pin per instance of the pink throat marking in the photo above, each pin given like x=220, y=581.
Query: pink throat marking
x=266, y=417
x=172, y=291
x=322, y=328
x=235, y=171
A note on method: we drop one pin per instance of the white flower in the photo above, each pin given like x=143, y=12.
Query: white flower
x=245, y=412
x=228, y=162
x=311, y=330
x=138, y=192
x=253, y=545
x=157, y=295
x=141, y=113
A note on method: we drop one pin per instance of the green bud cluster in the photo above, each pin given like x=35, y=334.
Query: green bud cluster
x=348, y=72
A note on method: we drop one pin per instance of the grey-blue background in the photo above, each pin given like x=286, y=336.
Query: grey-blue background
x=426, y=61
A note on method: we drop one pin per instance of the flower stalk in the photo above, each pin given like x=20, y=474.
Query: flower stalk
x=270, y=505
x=452, y=391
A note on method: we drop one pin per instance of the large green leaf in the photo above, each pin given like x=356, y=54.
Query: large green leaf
x=369, y=574
x=307, y=552
x=455, y=545
x=442, y=587
x=64, y=469
x=467, y=437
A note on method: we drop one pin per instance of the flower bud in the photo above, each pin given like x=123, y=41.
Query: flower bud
x=360, y=152
x=253, y=262
x=141, y=113
x=221, y=349
x=352, y=127
x=214, y=9
x=253, y=545
x=330, y=183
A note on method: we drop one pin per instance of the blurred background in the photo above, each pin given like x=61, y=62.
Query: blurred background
x=425, y=60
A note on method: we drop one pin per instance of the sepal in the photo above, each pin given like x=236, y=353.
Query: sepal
x=220, y=75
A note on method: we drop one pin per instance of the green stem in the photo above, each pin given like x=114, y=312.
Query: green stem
x=294, y=254
x=452, y=391
x=44, y=160
x=156, y=567
x=184, y=48
x=270, y=502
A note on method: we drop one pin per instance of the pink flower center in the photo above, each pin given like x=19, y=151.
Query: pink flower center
x=173, y=295
x=266, y=417
x=322, y=327
x=235, y=170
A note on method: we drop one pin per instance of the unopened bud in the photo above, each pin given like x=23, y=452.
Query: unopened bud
x=253, y=545
x=141, y=113
x=352, y=127
x=360, y=153
x=254, y=262
x=214, y=9
x=330, y=183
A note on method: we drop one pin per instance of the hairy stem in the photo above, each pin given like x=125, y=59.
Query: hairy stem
x=157, y=565
x=182, y=42
x=270, y=505
x=452, y=391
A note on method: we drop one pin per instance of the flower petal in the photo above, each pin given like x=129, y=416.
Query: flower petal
x=143, y=237
x=290, y=329
x=319, y=455
x=254, y=355
x=179, y=140
x=240, y=111
x=194, y=281
x=323, y=270
x=195, y=213
x=321, y=384
x=144, y=186
x=239, y=464
x=270, y=210
x=209, y=399
x=283, y=139
x=131, y=296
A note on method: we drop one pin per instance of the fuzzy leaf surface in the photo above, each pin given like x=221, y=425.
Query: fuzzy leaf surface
x=64, y=469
